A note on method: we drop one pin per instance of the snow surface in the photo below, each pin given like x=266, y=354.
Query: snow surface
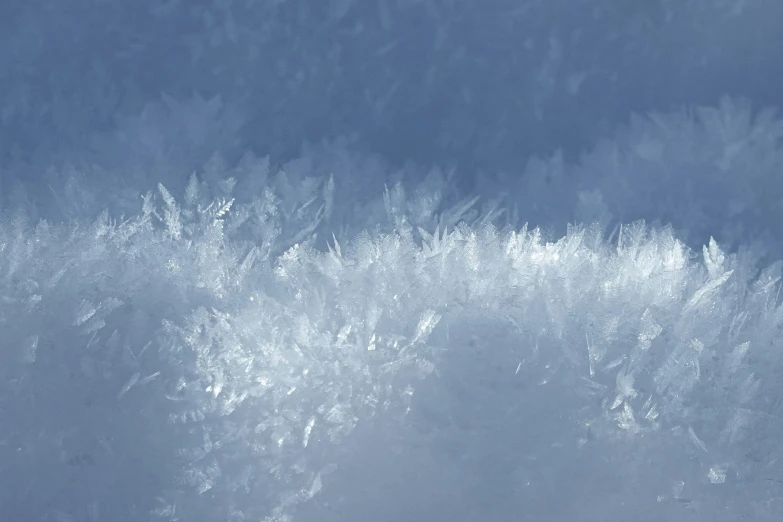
x=575, y=314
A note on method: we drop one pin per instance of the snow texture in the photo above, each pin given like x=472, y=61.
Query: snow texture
x=202, y=319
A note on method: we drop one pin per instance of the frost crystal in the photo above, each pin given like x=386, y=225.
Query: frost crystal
x=193, y=334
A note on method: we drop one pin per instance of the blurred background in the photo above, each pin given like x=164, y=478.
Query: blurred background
x=475, y=85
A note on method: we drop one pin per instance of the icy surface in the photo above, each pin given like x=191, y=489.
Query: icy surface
x=487, y=287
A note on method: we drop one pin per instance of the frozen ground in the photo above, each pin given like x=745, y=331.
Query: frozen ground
x=525, y=267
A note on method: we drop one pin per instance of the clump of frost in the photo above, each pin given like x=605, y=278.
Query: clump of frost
x=704, y=170
x=165, y=142
x=203, y=359
x=192, y=146
x=195, y=334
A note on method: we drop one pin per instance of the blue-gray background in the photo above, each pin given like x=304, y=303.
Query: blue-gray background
x=479, y=84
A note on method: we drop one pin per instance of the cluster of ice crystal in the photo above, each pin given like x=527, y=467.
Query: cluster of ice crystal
x=208, y=357
x=203, y=320
x=708, y=171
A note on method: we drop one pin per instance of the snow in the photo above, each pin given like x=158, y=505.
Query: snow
x=418, y=260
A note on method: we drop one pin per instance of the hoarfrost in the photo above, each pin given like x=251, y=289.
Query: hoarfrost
x=314, y=347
